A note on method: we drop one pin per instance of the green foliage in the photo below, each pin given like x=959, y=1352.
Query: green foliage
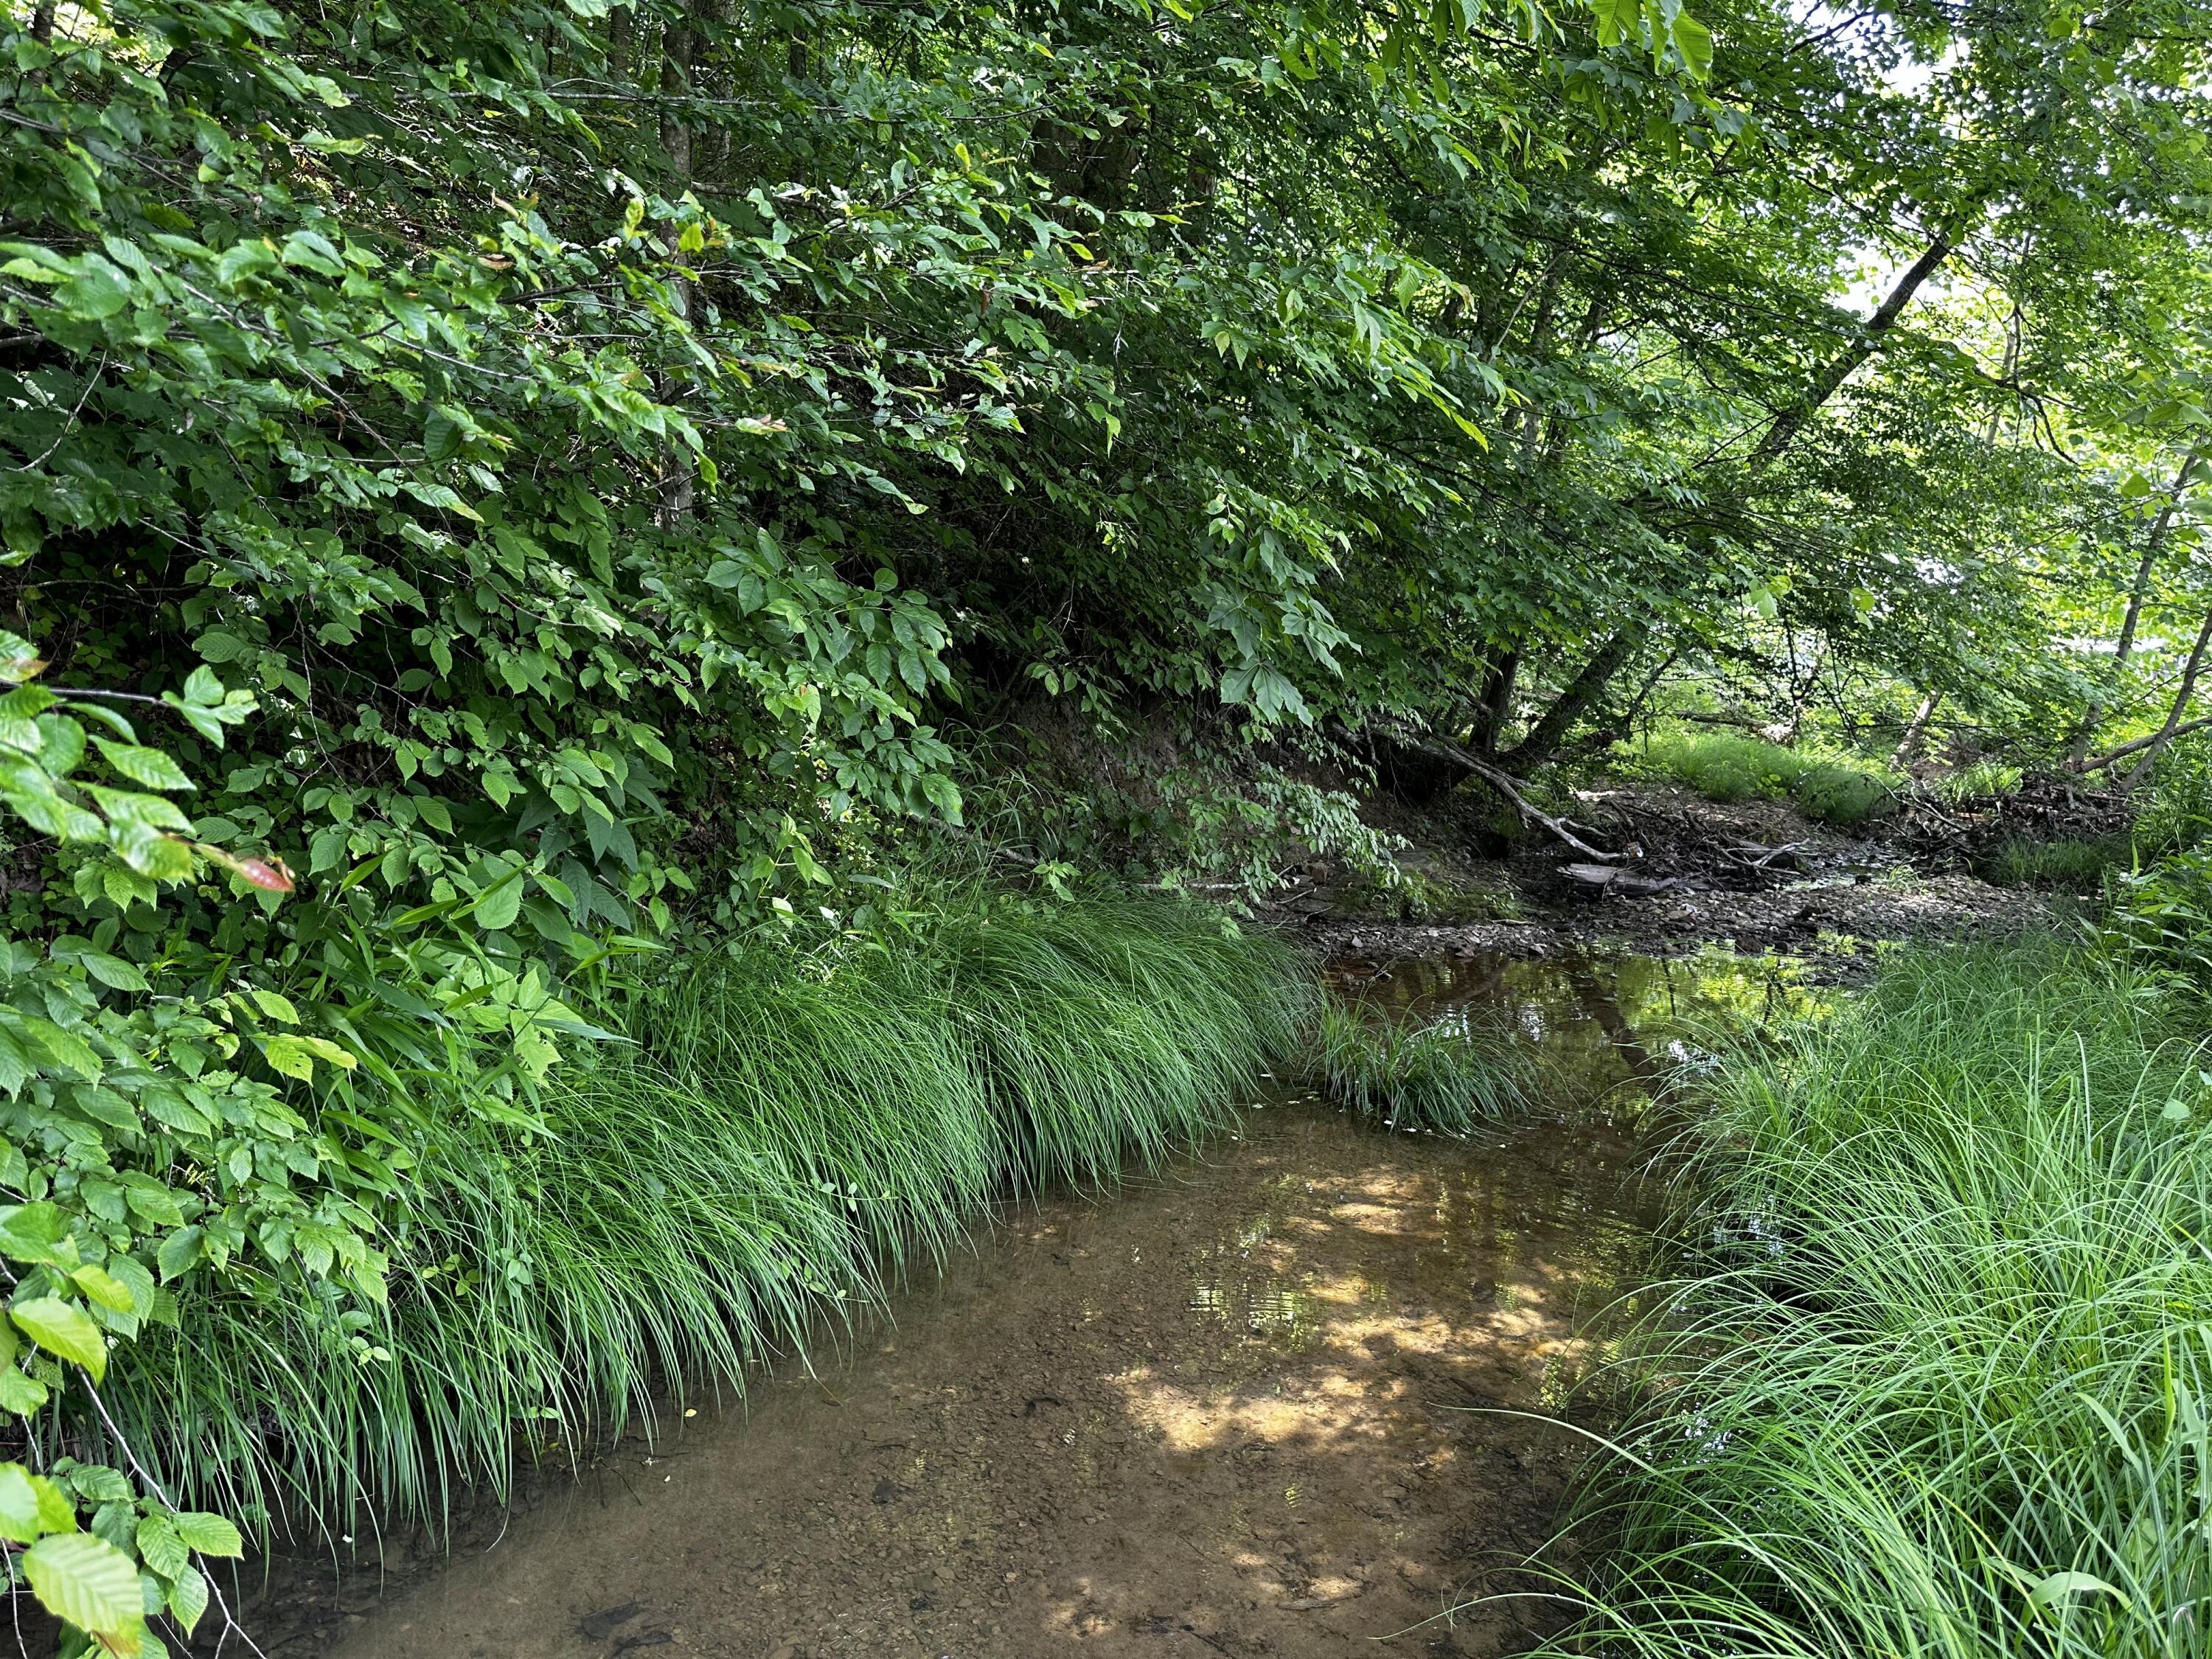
x=1446, y=1075
x=784, y=1134
x=1976, y=783
x=1727, y=767
x=1939, y=1382
x=2178, y=814
x=2069, y=863
x=2159, y=917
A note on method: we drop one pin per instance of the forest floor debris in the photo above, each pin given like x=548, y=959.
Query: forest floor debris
x=1753, y=875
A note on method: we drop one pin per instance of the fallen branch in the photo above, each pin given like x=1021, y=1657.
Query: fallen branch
x=1458, y=755
x=2127, y=749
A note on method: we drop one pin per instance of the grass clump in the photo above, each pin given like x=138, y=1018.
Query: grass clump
x=784, y=1139
x=1446, y=1075
x=1943, y=1385
x=1727, y=767
x=1975, y=784
x=2069, y=862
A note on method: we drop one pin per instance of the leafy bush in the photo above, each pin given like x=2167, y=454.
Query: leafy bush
x=1445, y=1074
x=1940, y=1380
x=2178, y=814
x=2159, y=918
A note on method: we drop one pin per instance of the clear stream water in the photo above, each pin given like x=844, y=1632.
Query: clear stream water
x=1285, y=1396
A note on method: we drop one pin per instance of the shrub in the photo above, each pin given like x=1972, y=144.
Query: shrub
x=2159, y=918
x=1940, y=1380
x=2177, y=815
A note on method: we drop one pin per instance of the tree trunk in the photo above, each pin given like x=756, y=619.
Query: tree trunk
x=2154, y=544
x=1841, y=367
x=1586, y=688
x=2180, y=706
x=1909, y=749
x=1496, y=703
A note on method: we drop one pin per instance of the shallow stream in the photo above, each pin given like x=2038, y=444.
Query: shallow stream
x=1278, y=1399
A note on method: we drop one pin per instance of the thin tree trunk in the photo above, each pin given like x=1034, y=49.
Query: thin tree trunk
x=2139, y=743
x=1586, y=686
x=1909, y=749
x=2154, y=544
x=1496, y=703
x=1841, y=367
x=2180, y=706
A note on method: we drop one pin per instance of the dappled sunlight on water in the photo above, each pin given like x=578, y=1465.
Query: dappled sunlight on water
x=1278, y=1399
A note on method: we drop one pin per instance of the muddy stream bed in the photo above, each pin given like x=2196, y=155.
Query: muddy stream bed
x=1280, y=1398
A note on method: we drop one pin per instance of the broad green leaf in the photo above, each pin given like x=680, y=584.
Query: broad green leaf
x=64, y=1331
x=151, y=768
x=210, y=1535
x=188, y=1598
x=19, y=1505
x=103, y=1288
x=291, y=1055
x=91, y=1584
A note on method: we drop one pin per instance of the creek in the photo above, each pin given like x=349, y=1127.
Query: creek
x=1290, y=1393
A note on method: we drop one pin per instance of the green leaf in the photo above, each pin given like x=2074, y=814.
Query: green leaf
x=112, y=971
x=497, y=908
x=103, y=1288
x=64, y=1331
x=291, y=1055
x=97, y=290
x=210, y=1535
x=188, y=1598
x=32, y=1232
x=89, y=1582
x=19, y=1505
x=161, y=1547
x=2061, y=1586
x=20, y=1394
x=1693, y=42
x=150, y=767
x=179, y=1252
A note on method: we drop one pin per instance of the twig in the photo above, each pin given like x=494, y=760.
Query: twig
x=230, y=1624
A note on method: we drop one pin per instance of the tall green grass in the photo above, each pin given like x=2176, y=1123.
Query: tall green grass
x=1448, y=1074
x=1943, y=1385
x=2067, y=862
x=785, y=1138
x=1726, y=767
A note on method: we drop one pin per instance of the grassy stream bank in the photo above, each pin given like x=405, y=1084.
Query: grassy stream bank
x=781, y=1140
x=1938, y=1384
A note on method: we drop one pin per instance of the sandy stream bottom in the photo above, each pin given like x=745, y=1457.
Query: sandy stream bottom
x=1225, y=1411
